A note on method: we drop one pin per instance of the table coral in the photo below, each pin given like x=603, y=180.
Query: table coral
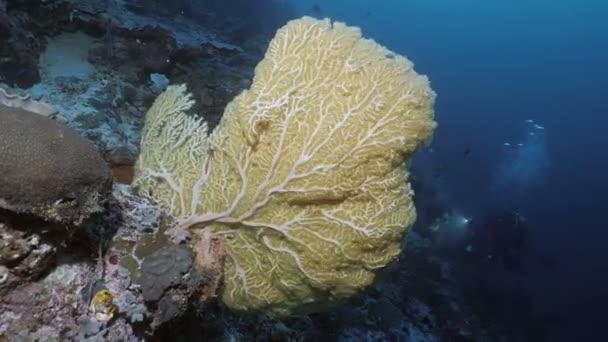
x=304, y=179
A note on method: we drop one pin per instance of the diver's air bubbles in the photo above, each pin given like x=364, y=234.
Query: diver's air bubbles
x=525, y=165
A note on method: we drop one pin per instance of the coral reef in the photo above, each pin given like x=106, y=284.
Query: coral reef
x=67, y=294
x=303, y=179
x=48, y=169
x=26, y=103
x=27, y=250
x=91, y=60
x=163, y=269
x=53, y=180
x=51, y=274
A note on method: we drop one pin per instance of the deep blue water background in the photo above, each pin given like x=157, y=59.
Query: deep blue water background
x=495, y=64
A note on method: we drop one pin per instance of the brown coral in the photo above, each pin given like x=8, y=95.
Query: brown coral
x=48, y=169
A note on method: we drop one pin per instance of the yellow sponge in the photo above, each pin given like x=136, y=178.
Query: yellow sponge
x=304, y=179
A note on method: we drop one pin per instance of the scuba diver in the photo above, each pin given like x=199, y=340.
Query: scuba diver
x=502, y=238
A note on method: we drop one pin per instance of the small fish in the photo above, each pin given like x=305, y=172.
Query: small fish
x=506, y=144
x=467, y=151
x=530, y=121
x=520, y=144
x=539, y=127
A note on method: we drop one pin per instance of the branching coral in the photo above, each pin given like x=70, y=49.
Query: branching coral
x=304, y=179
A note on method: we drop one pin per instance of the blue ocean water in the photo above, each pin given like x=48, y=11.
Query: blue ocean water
x=495, y=65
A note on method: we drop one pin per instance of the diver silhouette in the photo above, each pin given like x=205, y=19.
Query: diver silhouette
x=502, y=238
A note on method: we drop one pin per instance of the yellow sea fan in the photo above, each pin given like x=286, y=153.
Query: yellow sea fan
x=304, y=178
